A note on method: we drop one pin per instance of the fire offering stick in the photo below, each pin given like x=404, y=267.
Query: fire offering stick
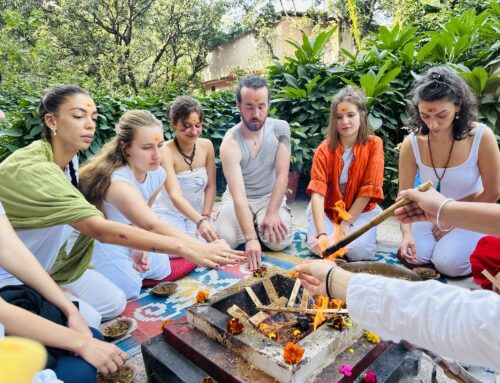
x=379, y=218
x=300, y=310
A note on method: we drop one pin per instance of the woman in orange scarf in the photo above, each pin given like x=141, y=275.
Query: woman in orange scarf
x=346, y=177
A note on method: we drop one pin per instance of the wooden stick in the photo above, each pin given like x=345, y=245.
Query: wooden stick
x=379, y=218
x=300, y=310
x=293, y=295
x=491, y=278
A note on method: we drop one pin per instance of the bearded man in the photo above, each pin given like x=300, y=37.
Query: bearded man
x=255, y=156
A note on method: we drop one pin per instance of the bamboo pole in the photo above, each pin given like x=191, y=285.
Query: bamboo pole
x=372, y=223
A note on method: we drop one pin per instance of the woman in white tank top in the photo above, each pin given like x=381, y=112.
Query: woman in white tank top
x=459, y=155
x=123, y=180
x=188, y=195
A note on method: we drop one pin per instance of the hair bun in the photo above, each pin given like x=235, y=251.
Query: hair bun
x=437, y=77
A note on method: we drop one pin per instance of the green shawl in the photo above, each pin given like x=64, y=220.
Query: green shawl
x=36, y=193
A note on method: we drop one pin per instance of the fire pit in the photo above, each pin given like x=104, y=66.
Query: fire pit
x=252, y=301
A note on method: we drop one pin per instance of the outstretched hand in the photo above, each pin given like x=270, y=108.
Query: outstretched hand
x=424, y=206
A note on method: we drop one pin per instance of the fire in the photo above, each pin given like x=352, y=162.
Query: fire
x=321, y=303
x=342, y=213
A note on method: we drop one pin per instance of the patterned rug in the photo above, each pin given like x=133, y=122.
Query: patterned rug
x=148, y=311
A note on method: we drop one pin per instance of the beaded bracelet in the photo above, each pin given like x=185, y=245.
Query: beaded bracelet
x=202, y=219
x=443, y=204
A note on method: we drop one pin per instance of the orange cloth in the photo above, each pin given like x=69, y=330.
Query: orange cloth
x=366, y=175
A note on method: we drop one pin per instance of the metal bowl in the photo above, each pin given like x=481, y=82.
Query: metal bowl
x=164, y=289
x=384, y=269
x=109, y=329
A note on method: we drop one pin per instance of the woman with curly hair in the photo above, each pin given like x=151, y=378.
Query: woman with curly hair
x=458, y=154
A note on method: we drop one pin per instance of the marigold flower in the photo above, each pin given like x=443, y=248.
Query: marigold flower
x=293, y=274
x=272, y=336
x=374, y=338
x=234, y=326
x=263, y=327
x=164, y=322
x=202, y=296
x=292, y=353
x=296, y=332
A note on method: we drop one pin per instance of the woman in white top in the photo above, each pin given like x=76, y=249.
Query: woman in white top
x=459, y=155
x=123, y=180
x=188, y=196
x=76, y=337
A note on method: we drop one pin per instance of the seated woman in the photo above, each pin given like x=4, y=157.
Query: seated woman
x=73, y=354
x=123, y=180
x=188, y=197
x=42, y=204
x=348, y=166
x=458, y=154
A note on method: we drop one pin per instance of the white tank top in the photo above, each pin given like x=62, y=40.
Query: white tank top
x=459, y=181
x=192, y=184
x=153, y=182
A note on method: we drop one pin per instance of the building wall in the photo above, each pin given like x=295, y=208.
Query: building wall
x=251, y=55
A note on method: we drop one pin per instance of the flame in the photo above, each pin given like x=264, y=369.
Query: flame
x=321, y=303
x=342, y=213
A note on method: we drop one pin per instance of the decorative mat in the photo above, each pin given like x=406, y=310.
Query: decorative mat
x=148, y=311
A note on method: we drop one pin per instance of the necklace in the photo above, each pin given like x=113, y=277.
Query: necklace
x=438, y=187
x=188, y=158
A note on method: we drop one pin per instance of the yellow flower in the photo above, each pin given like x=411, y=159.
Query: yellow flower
x=374, y=338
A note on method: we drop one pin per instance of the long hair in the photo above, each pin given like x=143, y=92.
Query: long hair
x=95, y=174
x=50, y=103
x=356, y=97
x=443, y=83
x=181, y=108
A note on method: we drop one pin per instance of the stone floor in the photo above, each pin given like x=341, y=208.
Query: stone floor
x=388, y=233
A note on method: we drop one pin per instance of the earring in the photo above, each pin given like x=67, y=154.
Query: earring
x=54, y=132
x=457, y=116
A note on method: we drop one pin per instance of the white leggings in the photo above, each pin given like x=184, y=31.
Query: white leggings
x=115, y=263
x=451, y=254
x=361, y=249
x=98, y=297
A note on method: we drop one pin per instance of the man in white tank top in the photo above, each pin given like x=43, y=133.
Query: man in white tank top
x=255, y=156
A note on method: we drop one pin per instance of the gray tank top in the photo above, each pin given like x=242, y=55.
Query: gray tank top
x=258, y=172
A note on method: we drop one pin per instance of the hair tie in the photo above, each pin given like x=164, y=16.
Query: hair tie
x=437, y=77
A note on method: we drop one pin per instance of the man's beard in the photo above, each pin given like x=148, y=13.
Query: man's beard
x=254, y=126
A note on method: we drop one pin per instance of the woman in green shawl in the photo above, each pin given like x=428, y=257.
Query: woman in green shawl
x=43, y=207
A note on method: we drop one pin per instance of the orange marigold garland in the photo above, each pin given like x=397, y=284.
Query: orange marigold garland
x=292, y=353
x=202, y=296
x=234, y=326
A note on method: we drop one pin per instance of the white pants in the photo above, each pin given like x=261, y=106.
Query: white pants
x=451, y=254
x=228, y=227
x=115, y=263
x=362, y=248
x=98, y=297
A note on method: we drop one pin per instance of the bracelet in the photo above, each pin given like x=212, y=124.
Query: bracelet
x=327, y=281
x=320, y=234
x=443, y=204
x=350, y=224
x=205, y=215
x=202, y=219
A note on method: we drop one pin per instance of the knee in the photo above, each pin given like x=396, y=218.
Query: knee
x=116, y=304
x=230, y=236
x=278, y=246
x=361, y=252
x=451, y=266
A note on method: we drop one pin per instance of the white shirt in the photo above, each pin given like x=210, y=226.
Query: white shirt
x=449, y=320
x=153, y=182
x=347, y=157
